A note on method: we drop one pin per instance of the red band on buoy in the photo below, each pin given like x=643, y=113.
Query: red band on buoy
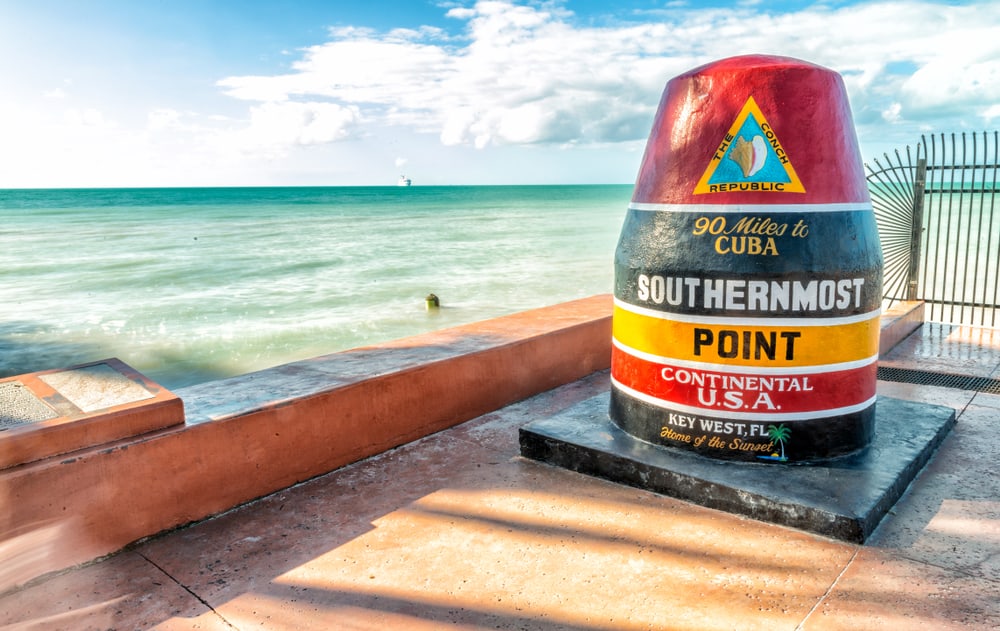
x=747, y=394
x=806, y=113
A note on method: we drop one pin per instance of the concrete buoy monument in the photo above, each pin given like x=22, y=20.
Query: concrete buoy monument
x=746, y=321
x=748, y=271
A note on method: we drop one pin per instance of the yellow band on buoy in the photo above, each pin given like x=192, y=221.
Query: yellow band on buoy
x=749, y=341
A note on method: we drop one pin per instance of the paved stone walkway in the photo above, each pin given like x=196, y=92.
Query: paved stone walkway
x=458, y=531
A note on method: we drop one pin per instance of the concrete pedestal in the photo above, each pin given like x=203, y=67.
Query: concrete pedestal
x=843, y=499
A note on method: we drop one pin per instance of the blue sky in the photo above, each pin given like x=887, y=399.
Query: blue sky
x=203, y=93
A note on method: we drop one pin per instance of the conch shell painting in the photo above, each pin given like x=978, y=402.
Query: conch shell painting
x=750, y=156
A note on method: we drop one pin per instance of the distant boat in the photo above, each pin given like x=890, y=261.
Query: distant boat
x=404, y=181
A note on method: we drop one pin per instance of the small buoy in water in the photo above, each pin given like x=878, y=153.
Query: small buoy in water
x=432, y=302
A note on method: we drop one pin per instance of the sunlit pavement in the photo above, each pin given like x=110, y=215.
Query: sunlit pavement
x=458, y=531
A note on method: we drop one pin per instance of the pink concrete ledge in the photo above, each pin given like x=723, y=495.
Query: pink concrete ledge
x=249, y=436
x=897, y=322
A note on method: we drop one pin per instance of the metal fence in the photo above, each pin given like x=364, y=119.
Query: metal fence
x=936, y=208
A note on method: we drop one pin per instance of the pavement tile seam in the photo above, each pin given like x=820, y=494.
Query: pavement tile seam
x=986, y=399
x=882, y=590
x=187, y=589
x=973, y=576
x=104, y=595
x=826, y=595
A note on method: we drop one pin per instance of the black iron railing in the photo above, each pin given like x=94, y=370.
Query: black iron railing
x=937, y=213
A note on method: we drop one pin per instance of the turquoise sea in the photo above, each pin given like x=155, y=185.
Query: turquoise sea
x=189, y=285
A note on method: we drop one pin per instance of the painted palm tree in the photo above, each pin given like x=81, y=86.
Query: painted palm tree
x=779, y=434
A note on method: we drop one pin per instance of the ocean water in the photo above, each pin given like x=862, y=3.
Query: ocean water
x=189, y=285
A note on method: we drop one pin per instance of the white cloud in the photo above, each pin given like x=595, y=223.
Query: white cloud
x=300, y=123
x=891, y=113
x=162, y=118
x=527, y=75
x=274, y=129
x=83, y=145
x=521, y=76
x=991, y=113
x=86, y=118
x=954, y=81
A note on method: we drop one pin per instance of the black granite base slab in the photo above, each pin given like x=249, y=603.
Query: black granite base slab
x=844, y=499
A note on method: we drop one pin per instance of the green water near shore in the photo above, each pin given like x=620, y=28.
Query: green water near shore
x=188, y=285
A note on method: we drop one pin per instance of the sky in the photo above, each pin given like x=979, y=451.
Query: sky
x=117, y=93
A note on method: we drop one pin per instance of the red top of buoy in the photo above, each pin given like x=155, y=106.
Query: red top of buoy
x=754, y=129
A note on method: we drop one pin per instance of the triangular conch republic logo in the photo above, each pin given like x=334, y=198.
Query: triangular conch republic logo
x=750, y=158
